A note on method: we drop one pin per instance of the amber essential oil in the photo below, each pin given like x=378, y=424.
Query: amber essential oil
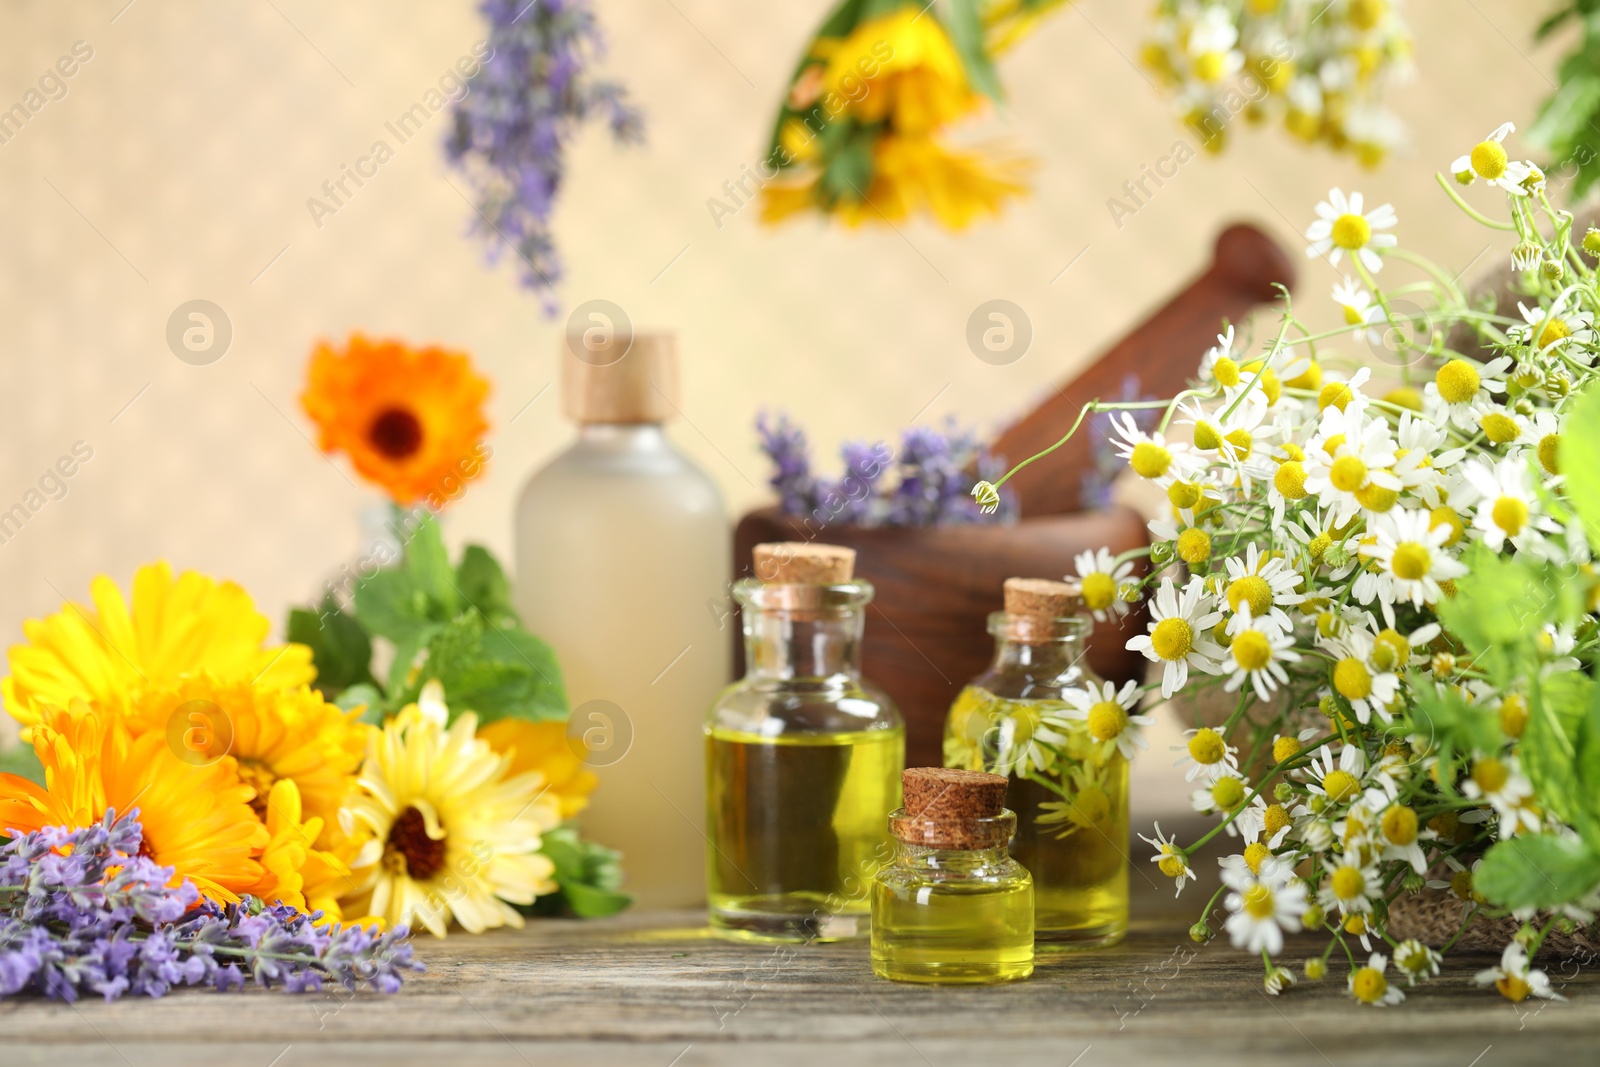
x=953, y=908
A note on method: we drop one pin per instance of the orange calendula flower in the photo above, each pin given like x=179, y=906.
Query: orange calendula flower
x=107, y=653
x=543, y=747
x=410, y=419
x=197, y=817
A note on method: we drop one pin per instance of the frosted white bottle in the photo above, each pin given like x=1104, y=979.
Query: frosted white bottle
x=623, y=556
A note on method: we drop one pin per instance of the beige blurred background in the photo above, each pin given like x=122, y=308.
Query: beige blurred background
x=179, y=163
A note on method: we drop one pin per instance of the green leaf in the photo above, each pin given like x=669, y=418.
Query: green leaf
x=428, y=564
x=340, y=648
x=1580, y=460
x=1549, y=748
x=495, y=672
x=406, y=651
x=589, y=876
x=390, y=605
x=1539, y=871
x=1453, y=725
x=22, y=761
x=484, y=587
x=965, y=24
x=1499, y=607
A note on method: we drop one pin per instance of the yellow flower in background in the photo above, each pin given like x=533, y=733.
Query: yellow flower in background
x=273, y=734
x=453, y=833
x=175, y=626
x=410, y=419
x=543, y=747
x=918, y=82
x=197, y=818
x=294, y=872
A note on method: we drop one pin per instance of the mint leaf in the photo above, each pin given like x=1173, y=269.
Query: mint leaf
x=340, y=648
x=484, y=587
x=390, y=605
x=1499, y=606
x=427, y=563
x=1539, y=871
x=1580, y=460
x=589, y=876
x=1452, y=724
x=495, y=672
x=1549, y=748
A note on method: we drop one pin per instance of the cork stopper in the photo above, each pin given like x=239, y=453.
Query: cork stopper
x=802, y=563
x=623, y=377
x=1036, y=607
x=953, y=809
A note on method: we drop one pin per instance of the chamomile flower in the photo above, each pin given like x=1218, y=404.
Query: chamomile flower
x=1416, y=961
x=1544, y=435
x=1208, y=756
x=1488, y=160
x=1515, y=979
x=1212, y=55
x=1356, y=677
x=1420, y=458
x=1263, y=585
x=1350, y=887
x=1400, y=836
x=1107, y=714
x=1369, y=985
x=1413, y=558
x=1169, y=859
x=1266, y=821
x=1500, y=781
x=1558, y=326
x=1508, y=507
x=1459, y=384
x=1218, y=363
x=1263, y=905
x=1342, y=227
x=1348, y=461
x=1257, y=653
x=1359, y=309
x=1023, y=741
x=1224, y=796
x=1178, y=624
x=1103, y=581
x=1339, y=780
x=1150, y=455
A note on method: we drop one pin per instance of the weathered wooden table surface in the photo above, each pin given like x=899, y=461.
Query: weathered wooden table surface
x=655, y=990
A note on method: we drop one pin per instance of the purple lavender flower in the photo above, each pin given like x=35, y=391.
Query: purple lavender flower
x=82, y=911
x=510, y=133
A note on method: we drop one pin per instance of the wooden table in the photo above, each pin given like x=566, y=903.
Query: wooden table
x=655, y=990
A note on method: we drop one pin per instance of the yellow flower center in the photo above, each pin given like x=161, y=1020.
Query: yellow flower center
x=1207, y=436
x=1351, y=231
x=1355, y=924
x=1183, y=494
x=1510, y=514
x=1400, y=825
x=1099, y=591
x=1170, y=865
x=1254, y=854
x=1210, y=66
x=1499, y=428
x=1461, y=884
x=1390, y=649
x=1107, y=720
x=1444, y=515
x=1276, y=818
x=1290, y=481
x=1411, y=561
x=1340, y=786
x=1241, y=442
x=1227, y=793
x=1550, y=453
x=1172, y=639
x=1194, y=546
x=1334, y=394
x=1348, y=474
x=1369, y=985
x=1149, y=460
x=1310, y=378
x=1319, y=544
x=1226, y=371
x=1458, y=381
x=1352, y=679
x=1284, y=748
x=1513, y=988
x=1377, y=498
x=1348, y=882
x=1251, y=650
x=1554, y=330
x=1258, y=902
x=1404, y=397
x=1490, y=774
x=1352, y=315
x=1252, y=589
x=1489, y=159
x=1366, y=14
x=1514, y=715
x=1207, y=747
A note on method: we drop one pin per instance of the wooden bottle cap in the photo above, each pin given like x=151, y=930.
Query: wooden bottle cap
x=1042, y=598
x=953, y=809
x=623, y=378
x=803, y=563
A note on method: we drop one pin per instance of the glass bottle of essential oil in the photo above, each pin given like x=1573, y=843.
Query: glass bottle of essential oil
x=621, y=542
x=803, y=757
x=953, y=907
x=1069, y=788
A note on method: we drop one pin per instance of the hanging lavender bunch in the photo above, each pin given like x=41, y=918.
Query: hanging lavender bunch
x=510, y=133
x=82, y=912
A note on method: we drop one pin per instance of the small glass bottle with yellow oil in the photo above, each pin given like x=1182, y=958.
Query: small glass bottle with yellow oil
x=803, y=757
x=1040, y=717
x=954, y=908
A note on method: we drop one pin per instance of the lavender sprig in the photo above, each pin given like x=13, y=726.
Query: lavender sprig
x=82, y=911
x=510, y=133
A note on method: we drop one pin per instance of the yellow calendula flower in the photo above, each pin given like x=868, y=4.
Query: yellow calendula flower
x=917, y=83
x=543, y=747
x=294, y=872
x=175, y=627
x=272, y=733
x=196, y=817
x=453, y=833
